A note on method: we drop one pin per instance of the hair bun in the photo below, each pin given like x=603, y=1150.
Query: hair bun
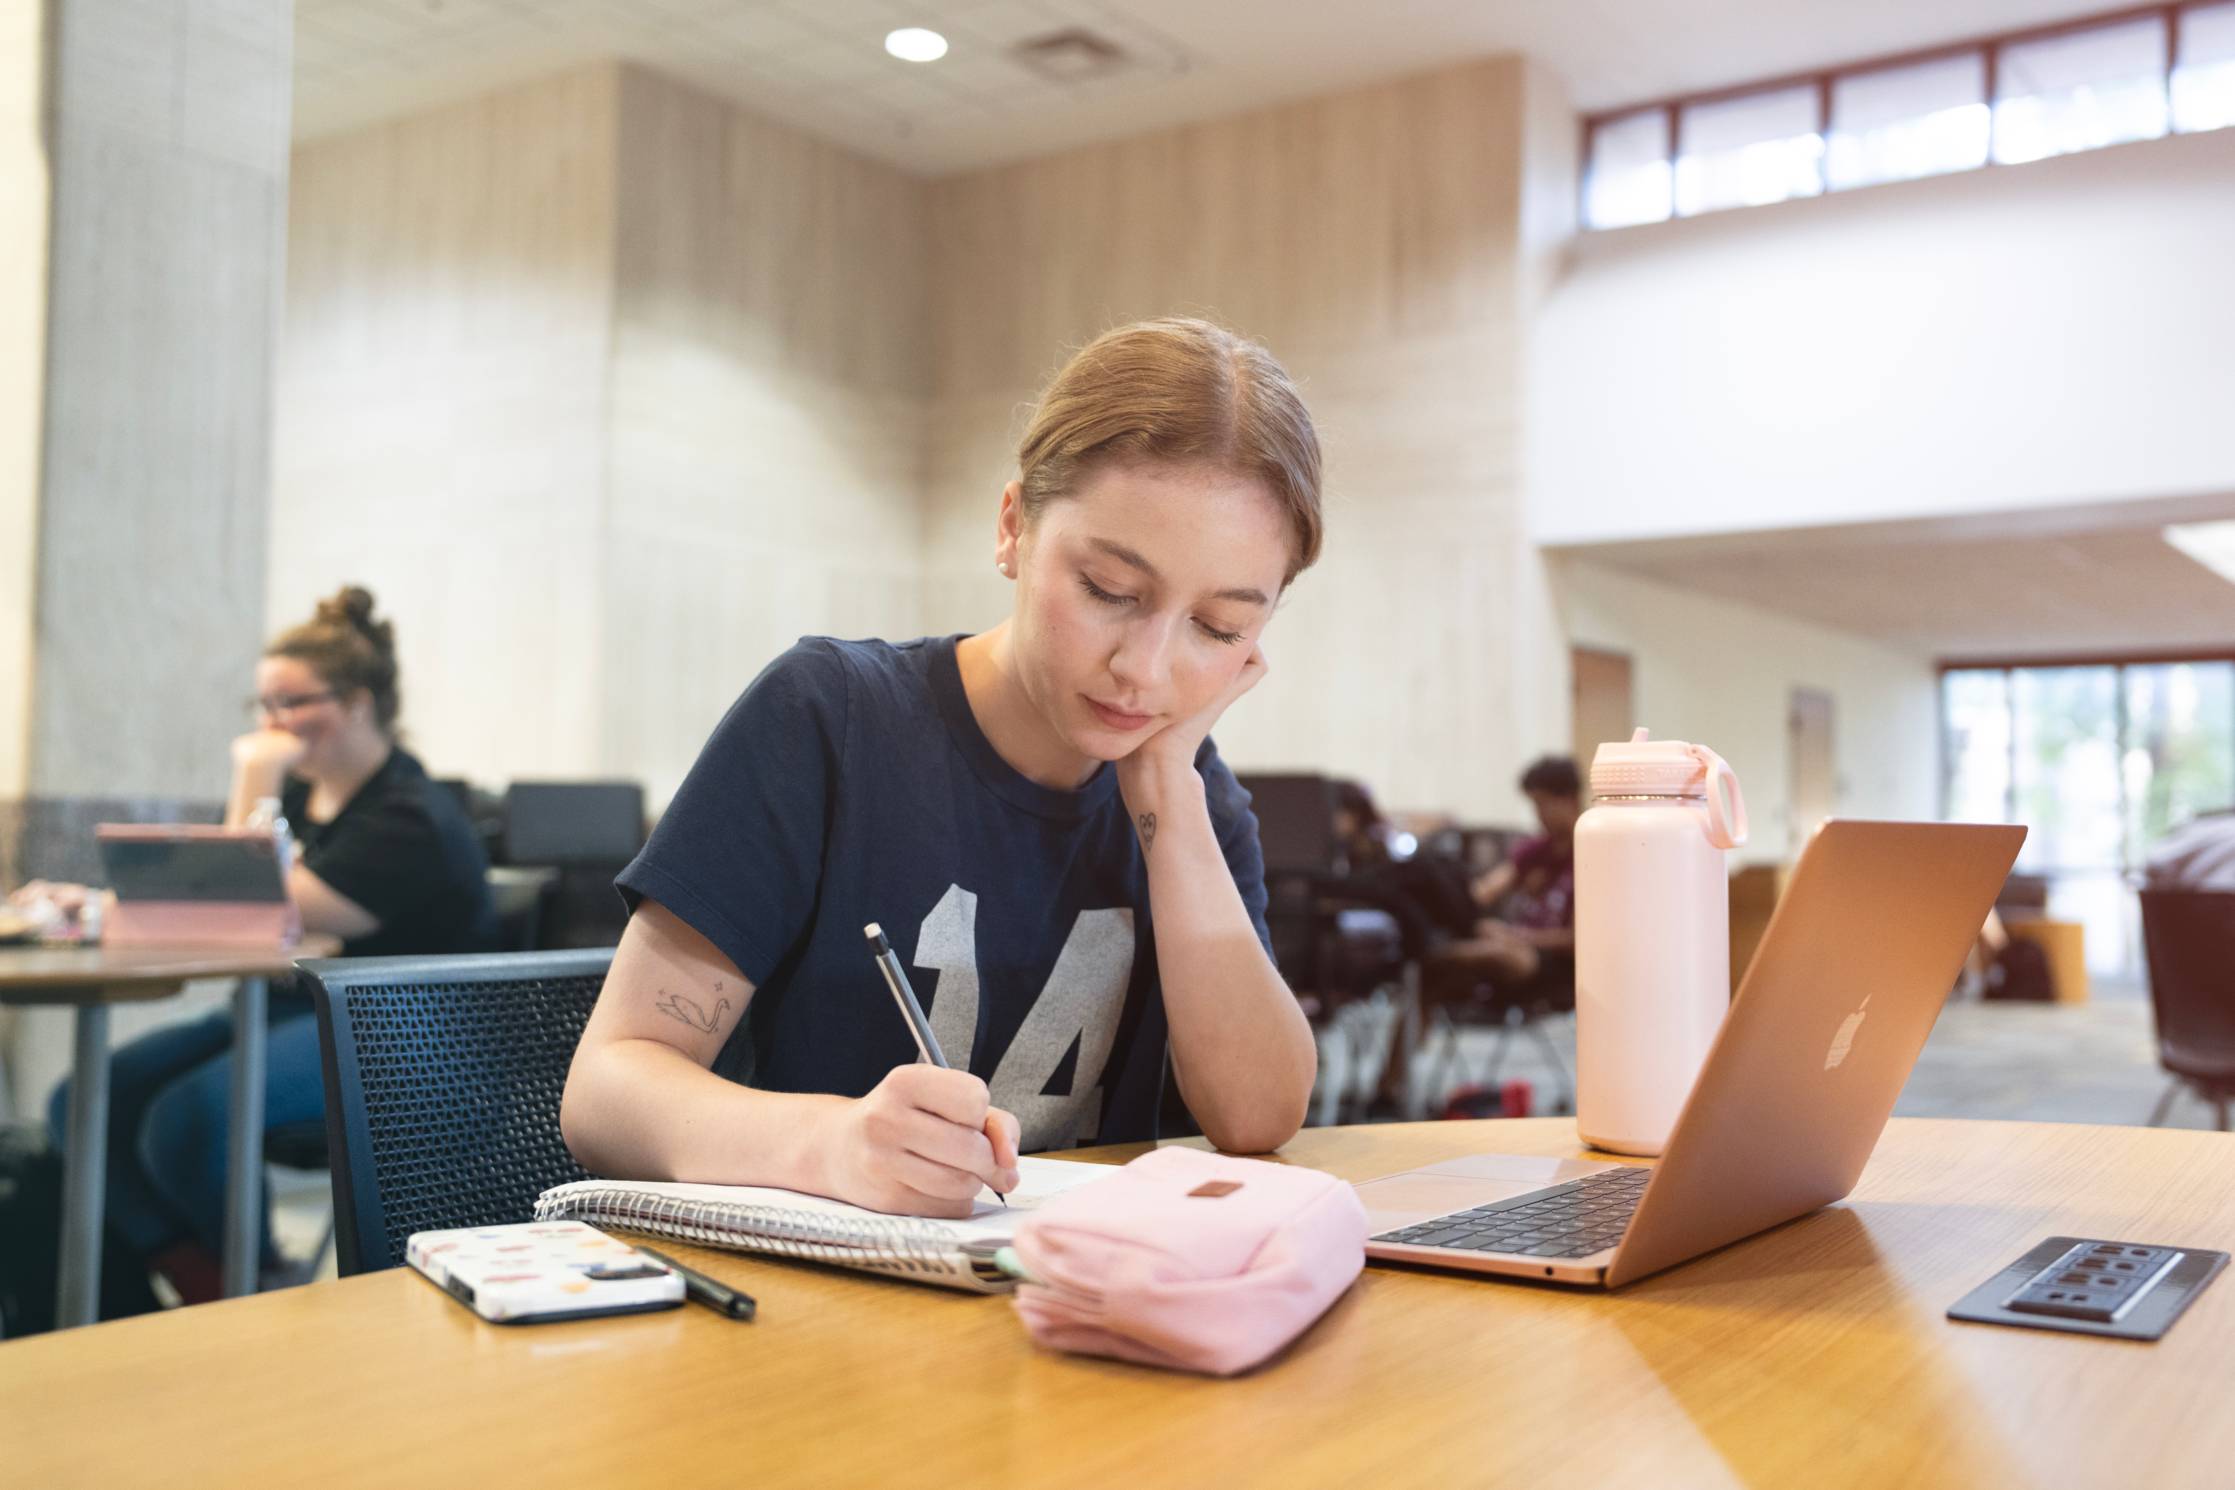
x=351, y=603
x=353, y=606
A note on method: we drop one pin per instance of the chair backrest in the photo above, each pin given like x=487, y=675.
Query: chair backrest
x=2024, y=897
x=1295, y=821
x=599, y=823
x=519, y=895
x=2188, y=937
x=443, y=1079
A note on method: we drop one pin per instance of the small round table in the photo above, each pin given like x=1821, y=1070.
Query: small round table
x=89, y=980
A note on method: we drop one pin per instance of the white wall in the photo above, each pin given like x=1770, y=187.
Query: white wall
x=1723, y=674
x=2061, y=332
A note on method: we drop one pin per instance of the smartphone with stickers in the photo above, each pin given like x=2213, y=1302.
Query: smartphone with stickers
x=533, y=1271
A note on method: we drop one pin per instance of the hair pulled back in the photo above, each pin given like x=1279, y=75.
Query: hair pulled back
x=1183, y=391
x=349, y=648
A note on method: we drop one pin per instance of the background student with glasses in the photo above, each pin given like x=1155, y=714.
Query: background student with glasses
x=385, y=860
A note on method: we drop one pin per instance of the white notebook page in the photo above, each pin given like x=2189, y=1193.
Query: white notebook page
x=1038, y=1180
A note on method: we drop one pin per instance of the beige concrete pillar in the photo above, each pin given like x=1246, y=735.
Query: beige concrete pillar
x=23, y=308
x=143, y=172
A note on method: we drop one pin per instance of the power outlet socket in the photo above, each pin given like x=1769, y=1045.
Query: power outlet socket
x=2094, y=1280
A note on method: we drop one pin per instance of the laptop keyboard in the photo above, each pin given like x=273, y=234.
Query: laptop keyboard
x=1577, y=1219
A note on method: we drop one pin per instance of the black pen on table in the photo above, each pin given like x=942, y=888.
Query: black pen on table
x=927, y=1043
x=712, y=1292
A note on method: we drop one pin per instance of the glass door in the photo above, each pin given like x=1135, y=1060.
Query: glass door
x=2099, y=762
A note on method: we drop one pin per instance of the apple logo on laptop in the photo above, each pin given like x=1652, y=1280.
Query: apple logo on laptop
x=1841, y=1042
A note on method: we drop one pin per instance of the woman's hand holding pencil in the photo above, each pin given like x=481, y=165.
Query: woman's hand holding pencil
x=923, y=1143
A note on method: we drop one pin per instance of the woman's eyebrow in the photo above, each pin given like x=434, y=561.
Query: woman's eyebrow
x=1118, y=551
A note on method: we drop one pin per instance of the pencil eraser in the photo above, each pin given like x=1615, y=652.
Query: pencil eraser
x=874, y=932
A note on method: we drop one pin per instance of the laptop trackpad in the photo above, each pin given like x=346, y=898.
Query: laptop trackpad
x=1456, y=1184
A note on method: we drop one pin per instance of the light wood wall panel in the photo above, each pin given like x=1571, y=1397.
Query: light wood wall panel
x=769, y=385
x=442, y=412
x=1374, y=241
x=610, y=391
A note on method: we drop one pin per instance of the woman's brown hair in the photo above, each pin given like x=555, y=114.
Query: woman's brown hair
x=1182, y=391
x=349, y=648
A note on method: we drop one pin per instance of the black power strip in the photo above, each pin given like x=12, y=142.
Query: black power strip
x=2127, y=1290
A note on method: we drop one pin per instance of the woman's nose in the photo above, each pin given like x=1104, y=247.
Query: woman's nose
x=1143, y=653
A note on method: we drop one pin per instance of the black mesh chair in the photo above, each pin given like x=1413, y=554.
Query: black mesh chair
x=443, y=1078
x=586, y=832
x=1341, y=965
x=2188, y=937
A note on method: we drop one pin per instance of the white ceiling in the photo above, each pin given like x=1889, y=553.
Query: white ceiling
x=820, y=64
x=2057, y=582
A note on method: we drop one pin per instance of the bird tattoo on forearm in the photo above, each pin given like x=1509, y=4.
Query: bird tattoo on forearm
x=691, y=1011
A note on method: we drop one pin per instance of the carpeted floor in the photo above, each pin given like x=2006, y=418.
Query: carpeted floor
x=2064, y=1063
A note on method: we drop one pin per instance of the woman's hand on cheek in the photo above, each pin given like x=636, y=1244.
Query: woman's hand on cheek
x=267, y=750
x=1175, y=745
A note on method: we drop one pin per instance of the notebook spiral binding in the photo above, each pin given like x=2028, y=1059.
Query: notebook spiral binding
x=895, y=1244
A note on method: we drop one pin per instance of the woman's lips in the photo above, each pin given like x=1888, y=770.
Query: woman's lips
x=1122, y=722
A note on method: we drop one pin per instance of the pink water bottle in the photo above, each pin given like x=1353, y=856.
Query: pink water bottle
x=1652, y=934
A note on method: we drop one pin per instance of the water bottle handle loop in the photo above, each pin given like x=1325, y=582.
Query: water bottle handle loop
x=1726, y=826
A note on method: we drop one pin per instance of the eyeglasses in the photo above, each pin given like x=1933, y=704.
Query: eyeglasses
x=287, y=703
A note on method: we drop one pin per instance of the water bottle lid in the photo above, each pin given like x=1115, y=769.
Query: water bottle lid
x=1644, y=767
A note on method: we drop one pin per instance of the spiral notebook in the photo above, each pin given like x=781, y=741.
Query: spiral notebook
x=786, y=1223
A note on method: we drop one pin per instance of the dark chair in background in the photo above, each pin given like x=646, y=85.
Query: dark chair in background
x=2023, y=897
x=300, y=1147
x=2188, y=937
x=1459, y=991
x=483, y=809
x=585, y=831
x=1351, y=952
x=1296, y=834
x=521, y=895
x=443, y=1080
x=1464, y=995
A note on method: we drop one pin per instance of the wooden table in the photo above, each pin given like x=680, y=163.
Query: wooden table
x=89, y=980
x=1814, y=1355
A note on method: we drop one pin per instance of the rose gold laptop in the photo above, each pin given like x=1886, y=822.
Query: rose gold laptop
x=1849, y=978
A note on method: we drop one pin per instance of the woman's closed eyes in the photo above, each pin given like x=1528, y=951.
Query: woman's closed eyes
x=1108, y=597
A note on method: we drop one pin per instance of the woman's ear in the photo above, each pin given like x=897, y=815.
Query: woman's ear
x=1008, y=529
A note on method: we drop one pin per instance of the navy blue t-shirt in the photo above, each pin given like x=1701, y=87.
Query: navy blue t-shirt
x=851, y=783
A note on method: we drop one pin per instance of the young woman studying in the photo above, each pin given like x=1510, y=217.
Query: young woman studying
x=385, y=860
x=1035, y=815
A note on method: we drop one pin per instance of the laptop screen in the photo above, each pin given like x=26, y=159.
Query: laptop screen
x=201, y=867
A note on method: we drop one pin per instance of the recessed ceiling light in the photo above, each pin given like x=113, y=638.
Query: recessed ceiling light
x=915, y=44
x=2209, y=544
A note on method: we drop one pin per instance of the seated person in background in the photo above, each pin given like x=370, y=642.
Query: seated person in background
x=2198, y=855
x=1433, y=890
x=385, y=860
x=1013, y=808
x=1530, y=938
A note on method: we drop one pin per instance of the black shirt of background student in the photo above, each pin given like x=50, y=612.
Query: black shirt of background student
x=403, y=849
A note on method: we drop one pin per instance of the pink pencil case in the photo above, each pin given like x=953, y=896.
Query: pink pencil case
x=1189, y=1260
